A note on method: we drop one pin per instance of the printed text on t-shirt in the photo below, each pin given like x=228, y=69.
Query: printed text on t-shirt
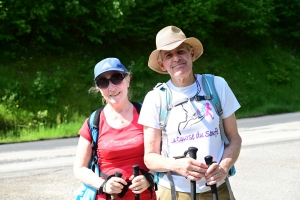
x=195, y=136
x=116, y=143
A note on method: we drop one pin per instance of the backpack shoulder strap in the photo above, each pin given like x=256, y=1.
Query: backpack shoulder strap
x=165, y=103
x=210, y=90
x=93, y=123
x=165, y=96
x=137, y=106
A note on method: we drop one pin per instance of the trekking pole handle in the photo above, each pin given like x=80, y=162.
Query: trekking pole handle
x=114, y=196
x=193, y=154
x=209, y=160
x=136, y=173
x=192, y=151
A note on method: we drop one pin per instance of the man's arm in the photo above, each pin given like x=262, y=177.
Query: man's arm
x=218, y=172
x=232, y=150
x=152, y=157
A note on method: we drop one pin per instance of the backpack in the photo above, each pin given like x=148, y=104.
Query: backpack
x=165, y=108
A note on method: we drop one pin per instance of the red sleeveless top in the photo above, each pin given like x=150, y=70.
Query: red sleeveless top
x=118, y=150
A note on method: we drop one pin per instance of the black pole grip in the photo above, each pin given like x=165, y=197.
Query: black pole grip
x=193, y=154
x=209, y=160
x=118, y=174
x=114, y=196
x=136, y=169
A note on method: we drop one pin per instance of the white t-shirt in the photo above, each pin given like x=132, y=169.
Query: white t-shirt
x=191, y=124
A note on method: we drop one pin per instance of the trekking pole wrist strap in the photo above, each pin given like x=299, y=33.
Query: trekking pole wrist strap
x=102, y=188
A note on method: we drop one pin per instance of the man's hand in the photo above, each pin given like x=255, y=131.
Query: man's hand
x=189, y=168
x=215, y=173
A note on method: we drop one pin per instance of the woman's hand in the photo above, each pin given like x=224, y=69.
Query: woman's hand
x=139, y=184
x=114, y=185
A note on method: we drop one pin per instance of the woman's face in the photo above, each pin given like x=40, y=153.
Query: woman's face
x=113, y=86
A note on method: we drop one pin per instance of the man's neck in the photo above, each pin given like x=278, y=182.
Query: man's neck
x=183, y=81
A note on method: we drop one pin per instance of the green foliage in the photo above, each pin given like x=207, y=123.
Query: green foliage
x=142, y=79
x=278, y=75
x=60, y=131
x=44, y=87
x=280, y=71
x=286, y=25
x=56, y=25
x=49, y=49
x=243, y=22
x=56, y=22
x=6, y=121
x=55, y=95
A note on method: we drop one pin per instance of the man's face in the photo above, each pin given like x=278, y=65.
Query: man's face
x=178, y=61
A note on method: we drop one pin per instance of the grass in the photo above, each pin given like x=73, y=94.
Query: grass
x=46, y=96
x=42, y=133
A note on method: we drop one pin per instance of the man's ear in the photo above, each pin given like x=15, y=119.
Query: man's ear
x=192, y=54
x=161, y=65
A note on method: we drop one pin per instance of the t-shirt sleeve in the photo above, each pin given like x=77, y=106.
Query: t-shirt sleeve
x=149, y=115
x=228, y=100
x=84, y=131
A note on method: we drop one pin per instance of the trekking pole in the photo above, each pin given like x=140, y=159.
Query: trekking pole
x=193, y=154
x=114, y=196
x=136, y=173
x=214, y=192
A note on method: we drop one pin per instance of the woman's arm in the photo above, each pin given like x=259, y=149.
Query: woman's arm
x=81, y=164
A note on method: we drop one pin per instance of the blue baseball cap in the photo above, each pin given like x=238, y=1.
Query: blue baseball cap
x=108, y=64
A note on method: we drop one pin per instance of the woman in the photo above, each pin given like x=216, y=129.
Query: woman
x=120, y=141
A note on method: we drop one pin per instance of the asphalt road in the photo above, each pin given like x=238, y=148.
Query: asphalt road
x=268, y=166
x=269, y=163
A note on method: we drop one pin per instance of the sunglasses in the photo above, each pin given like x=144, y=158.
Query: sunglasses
x=115, y=79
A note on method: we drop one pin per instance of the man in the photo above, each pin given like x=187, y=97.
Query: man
x=190, y=123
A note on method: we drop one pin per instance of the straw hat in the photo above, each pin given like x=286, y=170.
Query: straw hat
x=169, y=38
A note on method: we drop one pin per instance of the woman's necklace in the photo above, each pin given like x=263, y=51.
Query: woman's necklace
x=123, y=118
